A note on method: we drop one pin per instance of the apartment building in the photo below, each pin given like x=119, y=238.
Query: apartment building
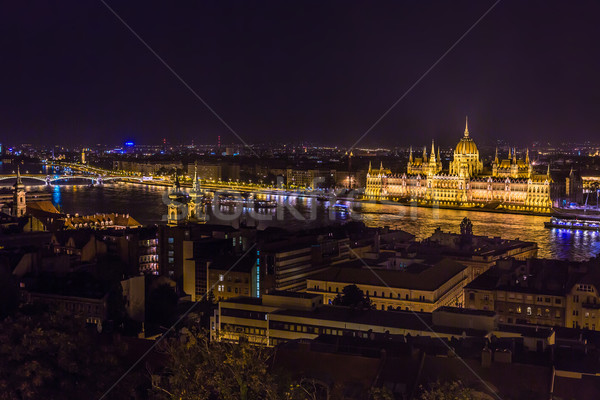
x=423, y=286
x=541, y=292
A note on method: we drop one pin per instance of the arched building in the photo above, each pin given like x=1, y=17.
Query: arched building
x=512, y=185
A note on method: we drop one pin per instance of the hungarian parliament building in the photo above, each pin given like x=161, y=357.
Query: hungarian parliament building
x=512, y=184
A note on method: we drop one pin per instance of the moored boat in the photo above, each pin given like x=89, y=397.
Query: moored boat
x=265, y=204
x=573, y=224
x=341, y=209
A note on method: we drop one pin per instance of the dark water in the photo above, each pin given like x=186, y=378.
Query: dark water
x=148, y=205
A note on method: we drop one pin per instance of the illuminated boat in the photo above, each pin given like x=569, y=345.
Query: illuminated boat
x=573, y=224
x=341, y=209
x=265, y=204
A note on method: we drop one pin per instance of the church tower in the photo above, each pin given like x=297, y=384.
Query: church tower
x=175, y=206
x=195, y=204
x=19, y=202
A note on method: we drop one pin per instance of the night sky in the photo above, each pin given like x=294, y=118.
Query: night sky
x=71, y=72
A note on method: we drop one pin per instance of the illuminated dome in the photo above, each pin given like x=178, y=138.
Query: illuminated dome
x=466, y=157
x=466, y=144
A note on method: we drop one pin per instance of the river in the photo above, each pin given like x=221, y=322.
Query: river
x=147, y=204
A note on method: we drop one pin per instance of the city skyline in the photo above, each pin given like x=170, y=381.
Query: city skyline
x=321, y=73
x=300, y=200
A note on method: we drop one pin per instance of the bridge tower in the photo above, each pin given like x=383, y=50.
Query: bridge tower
x=19, y=202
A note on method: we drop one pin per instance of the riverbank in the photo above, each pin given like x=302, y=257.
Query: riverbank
x=351, y=199
x=458, y=208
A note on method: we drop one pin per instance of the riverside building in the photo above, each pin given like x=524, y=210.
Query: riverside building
x=511, y=184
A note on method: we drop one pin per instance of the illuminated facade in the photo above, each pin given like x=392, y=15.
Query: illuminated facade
x=512, y=184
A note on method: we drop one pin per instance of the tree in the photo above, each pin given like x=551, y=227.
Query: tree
x=9, y=295
x=454, y=390
x=44, y=354
x=198, y=369
x=352, y=296
x=381, y=393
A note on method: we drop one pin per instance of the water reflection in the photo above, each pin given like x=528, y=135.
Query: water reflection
x=148, y=205
x=56, y=197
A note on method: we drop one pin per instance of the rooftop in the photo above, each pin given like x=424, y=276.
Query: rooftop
x=416, y=276
x=409, y=320
x=539, y=276
x=287, y=293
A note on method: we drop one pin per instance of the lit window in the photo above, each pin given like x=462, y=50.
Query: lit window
x=221, y=277
x=528, y=310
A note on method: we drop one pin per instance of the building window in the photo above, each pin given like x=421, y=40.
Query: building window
x=171, y=240
x=519, y=310
x=528, y=310
x=471, y=296
x=585, y=288
x=221, y=277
